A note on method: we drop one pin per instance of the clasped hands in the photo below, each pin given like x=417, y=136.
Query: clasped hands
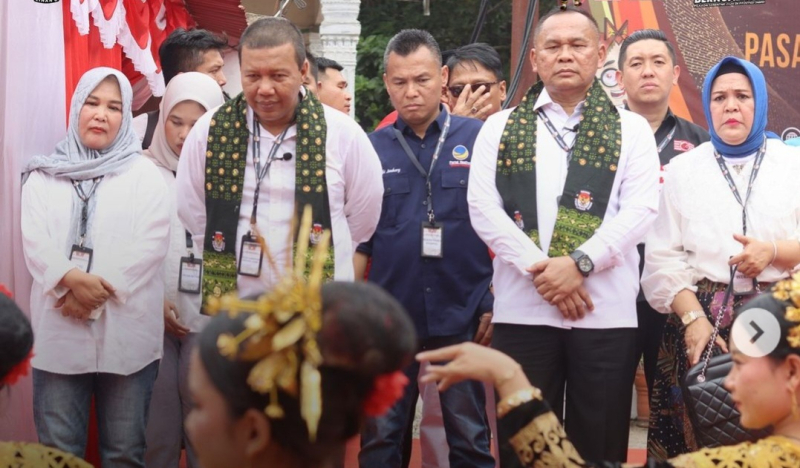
x=560, y=283
x=86, y=293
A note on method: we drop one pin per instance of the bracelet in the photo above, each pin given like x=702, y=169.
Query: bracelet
x=774, y=252
x=516, y=399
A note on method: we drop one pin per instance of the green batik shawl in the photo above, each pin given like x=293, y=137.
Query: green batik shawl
x=592, y=170
x=226, y=163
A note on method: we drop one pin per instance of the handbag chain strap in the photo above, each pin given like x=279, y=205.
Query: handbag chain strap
x=717, y=322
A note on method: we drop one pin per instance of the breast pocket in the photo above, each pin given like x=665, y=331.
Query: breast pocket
x=395, y=194
x=454, y=195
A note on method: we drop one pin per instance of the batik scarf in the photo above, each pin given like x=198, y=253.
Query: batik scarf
x=226, y=157
x=592, y=169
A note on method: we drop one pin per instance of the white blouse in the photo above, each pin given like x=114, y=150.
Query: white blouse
x=188, y=304
x=130, y=232
x=692, y=237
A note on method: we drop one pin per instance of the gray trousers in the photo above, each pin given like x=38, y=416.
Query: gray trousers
x=170, y=405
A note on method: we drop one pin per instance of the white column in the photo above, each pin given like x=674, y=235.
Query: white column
x=338, y=35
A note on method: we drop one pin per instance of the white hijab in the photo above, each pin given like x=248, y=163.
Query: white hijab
x=191, y=86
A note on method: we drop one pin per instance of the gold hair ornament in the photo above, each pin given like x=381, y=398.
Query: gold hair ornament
x=577, y=3
x=788, y=290
x=281, y=335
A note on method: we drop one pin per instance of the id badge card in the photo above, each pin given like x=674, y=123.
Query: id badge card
x=431, y=240
x=191, y=274
x=742, y=285
x=250, y=257
x=81, y=257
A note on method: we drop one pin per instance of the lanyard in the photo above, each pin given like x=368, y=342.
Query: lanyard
x=753, y=174
x=261, y=171
x=85, y=197
x=434, y=158
x=556, y=136
x=189, y=244
x=667, y=138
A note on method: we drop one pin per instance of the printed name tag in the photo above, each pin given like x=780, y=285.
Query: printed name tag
x=81, y=257
x=250, y=257
x=191, y=274
x=743, y=285
x=431, y=240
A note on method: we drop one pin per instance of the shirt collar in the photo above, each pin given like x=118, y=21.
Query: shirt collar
x=545, y=102
x=437, y=125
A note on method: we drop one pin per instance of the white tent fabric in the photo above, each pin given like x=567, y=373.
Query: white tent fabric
x=32, y=120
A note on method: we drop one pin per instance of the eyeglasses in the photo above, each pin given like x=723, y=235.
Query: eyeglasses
x=457, y=89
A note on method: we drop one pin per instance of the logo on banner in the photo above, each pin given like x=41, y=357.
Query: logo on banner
x=789, y=133
x=45, y=1
x=719, y=3
x=583, y=200
x=682, y=145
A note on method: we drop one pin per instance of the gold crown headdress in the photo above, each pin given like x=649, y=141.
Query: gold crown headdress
x=281, y=335
x=788, y=290
x=577, y=3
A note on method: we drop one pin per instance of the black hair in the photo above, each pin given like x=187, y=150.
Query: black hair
x=313, y=66
x=16, y=336
x=641, y=35
x=479, y=53
x=408, y=41
x=182, y=51
x=365, y=333
x=563, y=11
x=269, y=32
x=326, y=63
x=767, y=301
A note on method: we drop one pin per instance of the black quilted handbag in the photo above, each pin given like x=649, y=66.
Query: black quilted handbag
x=714, y=418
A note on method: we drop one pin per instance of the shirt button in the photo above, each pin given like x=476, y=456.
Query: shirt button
x=388, y=190
x=462, y=182
x=422, y=146
x=424, y=202
x=427, y=290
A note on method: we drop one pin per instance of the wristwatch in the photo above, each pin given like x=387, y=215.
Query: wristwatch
x=584, y=263
x=691, y=316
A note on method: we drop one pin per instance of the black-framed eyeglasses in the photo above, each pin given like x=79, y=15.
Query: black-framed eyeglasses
x=457, y=89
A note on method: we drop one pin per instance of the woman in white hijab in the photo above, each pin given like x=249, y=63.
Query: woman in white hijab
x=187, y=97
x=95, y=231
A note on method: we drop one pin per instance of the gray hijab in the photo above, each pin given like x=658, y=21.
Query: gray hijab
x=74, y=161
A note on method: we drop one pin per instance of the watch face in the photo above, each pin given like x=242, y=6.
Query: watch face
x=585, y=264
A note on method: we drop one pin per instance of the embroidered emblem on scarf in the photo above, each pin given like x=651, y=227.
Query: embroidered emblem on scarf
x=226, y=163
x=592, y=170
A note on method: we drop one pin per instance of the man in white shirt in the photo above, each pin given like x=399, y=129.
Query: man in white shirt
x=332, y=85
x=240, y=164
x=562, y=188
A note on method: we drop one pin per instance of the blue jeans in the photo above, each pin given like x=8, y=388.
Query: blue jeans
x=61, y=405
x=465, y=424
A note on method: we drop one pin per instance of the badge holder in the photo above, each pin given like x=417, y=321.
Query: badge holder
x=250, y=256
x=744, y=286
x=81, y=257
x=432, y=246
x=191, y=274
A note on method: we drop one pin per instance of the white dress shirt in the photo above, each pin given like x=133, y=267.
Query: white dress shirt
x=355, y=190
x=130, y=235
x=692, y=237
x=188, y=304
x=614, y=283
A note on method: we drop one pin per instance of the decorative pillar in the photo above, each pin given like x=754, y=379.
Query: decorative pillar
x=338, y=35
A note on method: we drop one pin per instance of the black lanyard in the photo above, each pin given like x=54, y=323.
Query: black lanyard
x=261, y=172
x=667, y=138
x=556, y=136
x=434, y=158
x=753, y=174
x=85, y=197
